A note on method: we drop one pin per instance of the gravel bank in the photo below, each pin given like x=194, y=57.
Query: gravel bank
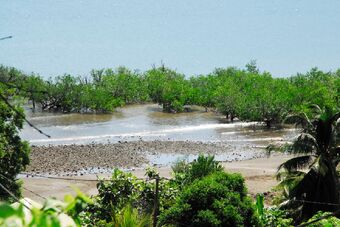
x=74, y=158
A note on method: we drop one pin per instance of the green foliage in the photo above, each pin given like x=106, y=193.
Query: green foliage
x=330, y=221
x=50, y=214
x=318, y=150
x=75, y=207
x=216, y=200
x=271, y=217
x=202, y=92
x=129, y=217
x=169, y=89
x=185, y=173
x=229, y=98
x=249, y=95
x=14, y=153
x=125, y=189
x=252, y=67
x=275, y=217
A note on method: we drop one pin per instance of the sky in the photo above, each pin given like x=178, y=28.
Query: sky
x=191, y=36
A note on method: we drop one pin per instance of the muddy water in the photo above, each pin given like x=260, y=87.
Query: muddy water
x=146, y=122
x=213, y=134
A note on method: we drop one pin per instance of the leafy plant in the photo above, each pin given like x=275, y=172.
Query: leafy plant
x=216, y=200
x=321, y=219
x=271, y=217
x=185, y=173
x=51, y=214
x=130, y=217
x=123, y=190
x=14, y=153
x=318, y=150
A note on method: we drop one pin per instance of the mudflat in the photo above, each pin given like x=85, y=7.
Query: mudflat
x=57, y=160
x=70, y=160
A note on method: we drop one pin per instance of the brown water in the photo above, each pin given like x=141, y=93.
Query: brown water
x=147, y=122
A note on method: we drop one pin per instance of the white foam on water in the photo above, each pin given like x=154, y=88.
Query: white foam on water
x=46, y=117
x=230, y=133
x=162, y=132
x=256, y=139
x=100, y=137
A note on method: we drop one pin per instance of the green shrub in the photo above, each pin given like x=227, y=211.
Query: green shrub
x=274, y=217
x=127, y=217
x=125, y=189
x=329, y=221
x=14, y=152
x=271, y=217
x=185, y=173
x=219, y=199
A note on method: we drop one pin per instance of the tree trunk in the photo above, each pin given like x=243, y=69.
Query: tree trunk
x=33, y=103
x=232, y=118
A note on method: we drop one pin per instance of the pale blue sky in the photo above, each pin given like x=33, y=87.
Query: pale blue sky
x=191, y=36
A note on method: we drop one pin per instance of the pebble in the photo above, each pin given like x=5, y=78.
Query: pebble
x=72, y=159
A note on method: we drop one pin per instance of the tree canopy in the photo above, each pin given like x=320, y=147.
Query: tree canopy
x=246, y=94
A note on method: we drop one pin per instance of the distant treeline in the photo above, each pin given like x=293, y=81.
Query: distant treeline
x=246, y=94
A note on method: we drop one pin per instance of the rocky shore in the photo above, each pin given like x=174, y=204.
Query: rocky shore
x=73, y=159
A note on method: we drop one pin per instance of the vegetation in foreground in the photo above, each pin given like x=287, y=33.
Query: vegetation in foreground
x=213, y=198
x=317, y=149
x=14, y=153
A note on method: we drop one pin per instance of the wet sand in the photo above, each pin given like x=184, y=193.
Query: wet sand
x=258, y=174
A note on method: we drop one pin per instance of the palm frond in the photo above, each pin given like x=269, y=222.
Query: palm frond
x=304, y=143
x=288, y=180
x=274, y=147
x=300, y=119
x=283, y=175
x=335, y=118
x=296, y=163
x=337, y=124
x=319, y=142
x=315, y=108
x=320, y=166
x=305, y=185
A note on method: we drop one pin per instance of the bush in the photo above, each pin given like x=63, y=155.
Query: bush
x=329, y=221
x=123, y=190
x=216, y=200
x=127, y=217
x=185, y=173
x=273, y=217
x=14, y=153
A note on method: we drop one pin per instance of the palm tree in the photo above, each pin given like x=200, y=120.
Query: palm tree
x=310, y=179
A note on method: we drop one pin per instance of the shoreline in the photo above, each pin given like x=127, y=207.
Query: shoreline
x=258, y=174
x=69, y=165
x=96, y=158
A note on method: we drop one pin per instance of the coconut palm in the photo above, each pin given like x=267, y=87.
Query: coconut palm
x=310, y=179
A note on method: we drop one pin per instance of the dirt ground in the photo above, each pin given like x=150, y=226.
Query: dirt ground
x=258, y=174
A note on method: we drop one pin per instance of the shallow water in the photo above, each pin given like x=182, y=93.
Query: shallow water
x=147, y=122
